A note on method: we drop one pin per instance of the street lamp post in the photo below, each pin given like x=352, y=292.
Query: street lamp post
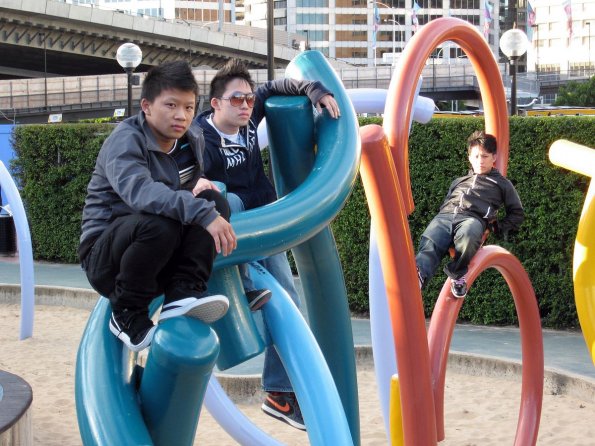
x=513, y=44
x=129, y=57
x=394, y=22
x=589, y=37
x=45, y=69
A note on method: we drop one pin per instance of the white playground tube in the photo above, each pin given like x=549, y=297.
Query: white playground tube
x=370, y=100
x=383, y=347
x=25, y=251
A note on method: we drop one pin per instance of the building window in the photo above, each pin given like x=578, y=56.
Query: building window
x=312, y=19
x=280, y=21
x=312, y=3
x=464, y=4
x=151, y=12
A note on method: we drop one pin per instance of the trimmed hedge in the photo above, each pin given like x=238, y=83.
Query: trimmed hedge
x=54, y=165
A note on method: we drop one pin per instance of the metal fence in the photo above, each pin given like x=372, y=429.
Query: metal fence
x=92, y=91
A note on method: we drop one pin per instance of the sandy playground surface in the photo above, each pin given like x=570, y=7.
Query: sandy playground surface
x=479, y=410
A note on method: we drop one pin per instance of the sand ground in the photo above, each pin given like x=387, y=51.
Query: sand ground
x=479, y=410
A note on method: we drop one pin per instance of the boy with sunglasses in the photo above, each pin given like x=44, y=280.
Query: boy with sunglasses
x=232, y=156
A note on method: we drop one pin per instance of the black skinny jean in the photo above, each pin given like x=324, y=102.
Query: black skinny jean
x=140, y=256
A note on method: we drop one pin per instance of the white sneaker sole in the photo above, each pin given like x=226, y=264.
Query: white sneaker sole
x=206, y=309
x=146, y=342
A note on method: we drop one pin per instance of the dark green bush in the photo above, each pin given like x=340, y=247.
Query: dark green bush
x=552, y=198
x=55, y=163
x=53, y=166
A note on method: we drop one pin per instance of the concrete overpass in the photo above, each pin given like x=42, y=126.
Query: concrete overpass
x=46, y=38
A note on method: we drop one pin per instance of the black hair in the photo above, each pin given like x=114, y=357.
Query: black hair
x=233, y=69
x=483, y=140
x=176, y=74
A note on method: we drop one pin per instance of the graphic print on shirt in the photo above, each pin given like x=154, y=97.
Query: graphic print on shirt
x=234, y=156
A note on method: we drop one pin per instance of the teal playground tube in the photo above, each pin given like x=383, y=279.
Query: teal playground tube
x=314, y=183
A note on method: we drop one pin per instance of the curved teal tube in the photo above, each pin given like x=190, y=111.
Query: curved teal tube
x=178, y=368
x=317, y=258
x=106, y=399
x=107, y=406
x=311, y=206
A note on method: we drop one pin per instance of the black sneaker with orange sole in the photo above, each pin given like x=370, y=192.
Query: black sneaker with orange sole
x=284, y=406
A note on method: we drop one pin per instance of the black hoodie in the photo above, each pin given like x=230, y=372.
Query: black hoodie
x=240, y=167
x=481, y=196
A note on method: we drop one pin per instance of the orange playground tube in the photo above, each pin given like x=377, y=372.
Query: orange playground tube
x=385, y=175
x=399, y=99
x=442, y=325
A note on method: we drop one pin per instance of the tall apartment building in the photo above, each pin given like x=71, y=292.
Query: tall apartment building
x=561, y=32
x=562, y=36
x=351, y=31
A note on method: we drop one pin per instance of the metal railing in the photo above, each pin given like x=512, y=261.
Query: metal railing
x=94, y=91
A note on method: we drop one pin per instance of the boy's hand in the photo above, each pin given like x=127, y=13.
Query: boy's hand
x=331, y=105
x=203, y=184
x=223, y=234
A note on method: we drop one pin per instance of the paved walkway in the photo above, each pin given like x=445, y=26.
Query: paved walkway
x=565, y=351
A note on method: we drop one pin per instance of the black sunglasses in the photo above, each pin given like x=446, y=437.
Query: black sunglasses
x=237, y=99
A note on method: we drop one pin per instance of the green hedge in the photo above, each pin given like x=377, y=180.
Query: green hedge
x=552, y=198
x=54, y=165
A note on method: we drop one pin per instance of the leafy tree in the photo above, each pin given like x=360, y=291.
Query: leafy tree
x=578, y=94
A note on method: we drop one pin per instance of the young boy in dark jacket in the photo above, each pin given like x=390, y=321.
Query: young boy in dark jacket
x=471, y=204
x=144, y=232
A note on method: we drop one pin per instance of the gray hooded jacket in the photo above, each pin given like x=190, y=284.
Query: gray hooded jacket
x=132, y=175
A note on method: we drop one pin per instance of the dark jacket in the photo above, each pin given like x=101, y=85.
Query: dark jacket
x=132, y=175
x=239, y=167
x=481, y=196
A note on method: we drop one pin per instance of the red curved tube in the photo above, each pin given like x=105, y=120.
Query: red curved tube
x=442, y=326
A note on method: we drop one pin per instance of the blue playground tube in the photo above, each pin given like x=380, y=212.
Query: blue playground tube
x=107, y=404
x=313, y=384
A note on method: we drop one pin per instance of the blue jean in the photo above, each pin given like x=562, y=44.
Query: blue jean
x=445, y=230
x=274, y=376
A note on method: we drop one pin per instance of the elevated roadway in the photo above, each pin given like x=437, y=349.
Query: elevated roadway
x=47, y=38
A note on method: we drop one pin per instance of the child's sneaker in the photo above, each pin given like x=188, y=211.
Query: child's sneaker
x=458, y=287
x=284, y=406
x=257, y=298
x=205, y=308
x=133, y=328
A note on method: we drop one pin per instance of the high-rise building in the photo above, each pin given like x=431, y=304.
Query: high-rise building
x=562, y=36
x=367, y=32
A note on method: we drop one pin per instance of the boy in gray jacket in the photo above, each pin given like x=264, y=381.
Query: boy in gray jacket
x=144, y=232
x=471, y=203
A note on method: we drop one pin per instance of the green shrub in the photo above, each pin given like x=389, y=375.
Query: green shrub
x=54, y=164
x=53, y=167
x=552, y=198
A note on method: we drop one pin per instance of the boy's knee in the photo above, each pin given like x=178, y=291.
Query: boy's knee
x=221, y=203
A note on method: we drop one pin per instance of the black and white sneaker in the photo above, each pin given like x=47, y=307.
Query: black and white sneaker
x=257, y=298
x=458, y=287
x=133, y=328
x=284, y=406
x=205, y=308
